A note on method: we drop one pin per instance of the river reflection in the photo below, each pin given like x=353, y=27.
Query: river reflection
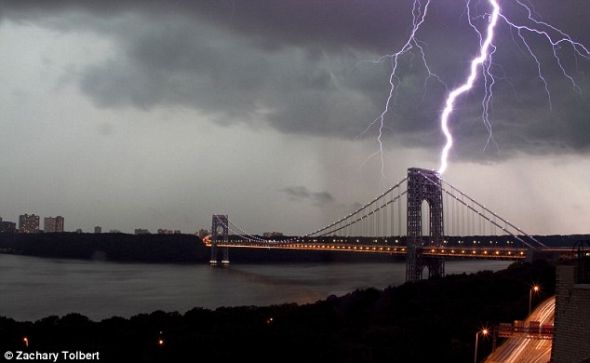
x=32, y=288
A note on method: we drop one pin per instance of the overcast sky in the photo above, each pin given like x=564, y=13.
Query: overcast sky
x=156, y=114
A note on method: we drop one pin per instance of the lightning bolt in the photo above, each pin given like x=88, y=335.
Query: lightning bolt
x=484, y=54
x=483, y=62
x=487, y=50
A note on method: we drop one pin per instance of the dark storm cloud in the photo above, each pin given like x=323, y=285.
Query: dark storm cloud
x=303, y=67
x=301, y=193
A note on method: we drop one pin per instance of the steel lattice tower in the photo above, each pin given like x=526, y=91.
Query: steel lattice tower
x=424, y=185
x=219, y=233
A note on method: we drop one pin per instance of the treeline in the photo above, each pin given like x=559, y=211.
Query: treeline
x=158, y=248
x=427, y=321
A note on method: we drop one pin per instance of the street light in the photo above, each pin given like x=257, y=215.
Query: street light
x=535, y=288
x=483, y=332
x=160, y=339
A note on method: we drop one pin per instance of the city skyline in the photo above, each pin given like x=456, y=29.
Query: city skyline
x=114, y=117
x=31, y=223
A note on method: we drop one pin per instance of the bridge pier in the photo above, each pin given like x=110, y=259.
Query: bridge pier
x=416, y=262
x=219, y=233
x=225, y=259
x=213, y=259
x=436, y=266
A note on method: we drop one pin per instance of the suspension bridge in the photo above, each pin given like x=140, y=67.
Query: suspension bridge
x=422, y=217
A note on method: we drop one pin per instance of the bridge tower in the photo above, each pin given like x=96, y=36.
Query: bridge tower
x=219, y=233
x=424, y=185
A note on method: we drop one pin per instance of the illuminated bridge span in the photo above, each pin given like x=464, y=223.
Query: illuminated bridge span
x=501, y=253
x=422, y=217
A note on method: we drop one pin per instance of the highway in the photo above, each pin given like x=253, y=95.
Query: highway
x=528, y=350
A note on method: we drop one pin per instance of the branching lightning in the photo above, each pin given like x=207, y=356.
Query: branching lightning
x=483, y=62
x=419, y=13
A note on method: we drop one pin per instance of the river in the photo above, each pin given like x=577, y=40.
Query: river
x=33, y=288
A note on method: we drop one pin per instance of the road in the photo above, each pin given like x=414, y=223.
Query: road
x=527, y=350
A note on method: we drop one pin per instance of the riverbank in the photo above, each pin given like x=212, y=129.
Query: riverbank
x=420, y=322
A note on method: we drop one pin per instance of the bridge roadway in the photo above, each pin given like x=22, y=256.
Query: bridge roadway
x=502, y=253
x=471, y=252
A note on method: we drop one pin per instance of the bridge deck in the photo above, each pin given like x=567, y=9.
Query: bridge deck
x=498, y=253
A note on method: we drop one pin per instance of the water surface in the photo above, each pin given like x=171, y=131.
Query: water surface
x=32, y=287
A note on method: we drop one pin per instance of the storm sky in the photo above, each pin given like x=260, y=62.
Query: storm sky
x=156, y=114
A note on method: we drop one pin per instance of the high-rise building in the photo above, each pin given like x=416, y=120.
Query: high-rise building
x=98, y=229
x=7, y=227
x=49, y=225
x=28, y=223
x=59, y=224
x=53, y=224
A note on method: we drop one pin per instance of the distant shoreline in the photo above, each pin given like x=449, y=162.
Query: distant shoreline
x=158, y=248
